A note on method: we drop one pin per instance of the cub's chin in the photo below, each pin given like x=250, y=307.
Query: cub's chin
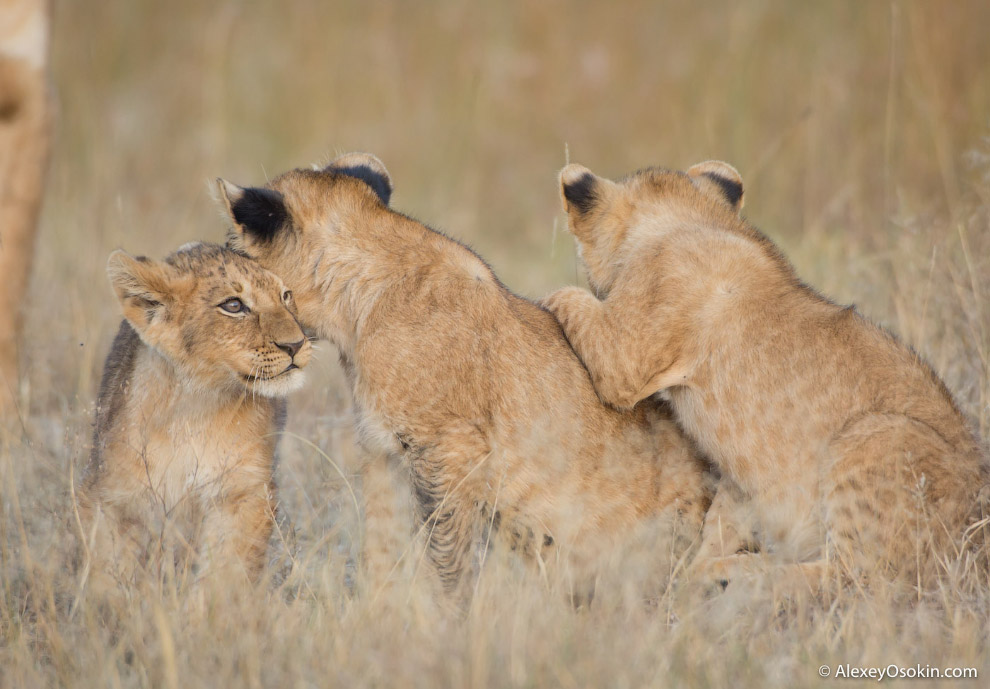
x=277, y=386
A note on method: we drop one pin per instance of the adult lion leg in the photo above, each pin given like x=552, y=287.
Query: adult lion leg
x=24, y=143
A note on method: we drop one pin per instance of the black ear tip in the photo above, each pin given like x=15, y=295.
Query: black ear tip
x=580, y=193
x=379, y=183
x=260, y=211
x=732, y=189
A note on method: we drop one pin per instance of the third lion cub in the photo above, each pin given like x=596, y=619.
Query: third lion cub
x=838, y=441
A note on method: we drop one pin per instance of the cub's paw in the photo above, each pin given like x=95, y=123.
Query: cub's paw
x=564, y=301
x=717, y=573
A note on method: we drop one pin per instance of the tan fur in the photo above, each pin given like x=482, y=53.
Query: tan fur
x=189, y=411
x=839, y=441
x=24, y=142
x=470, y=390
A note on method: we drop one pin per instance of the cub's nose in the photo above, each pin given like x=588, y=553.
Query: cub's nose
x=290, y=348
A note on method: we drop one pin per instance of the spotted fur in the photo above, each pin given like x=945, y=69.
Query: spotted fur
x=471, y=391
x=189, y=410
x=838, y=445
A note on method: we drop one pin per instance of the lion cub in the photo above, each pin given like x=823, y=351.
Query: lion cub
x=470, y=391
x=190, y=407
x=837, y=439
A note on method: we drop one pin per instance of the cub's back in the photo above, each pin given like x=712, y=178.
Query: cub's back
x=117, y=374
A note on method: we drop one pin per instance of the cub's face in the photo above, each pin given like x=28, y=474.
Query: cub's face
x=608, y=218
x=305, y=220
x=224, y=322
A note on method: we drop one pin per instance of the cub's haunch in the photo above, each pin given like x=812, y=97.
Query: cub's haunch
x=189, y=410
x=469, y=390
x=833, y=438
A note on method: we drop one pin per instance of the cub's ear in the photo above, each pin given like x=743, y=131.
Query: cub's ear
x=719, y=180
x=580, y=189
x=582, y=193
x=367, y=168
x=144, y=287
x=256, y=214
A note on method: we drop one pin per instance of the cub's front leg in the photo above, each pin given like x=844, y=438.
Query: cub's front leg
x=387, y=518
x=728, y=532
x=238, y=526
x=598, y=342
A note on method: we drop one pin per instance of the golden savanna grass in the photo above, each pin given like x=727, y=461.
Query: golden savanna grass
x=860, y=129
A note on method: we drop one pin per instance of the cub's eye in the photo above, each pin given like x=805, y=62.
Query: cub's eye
x=287, y=296
x=233, y=305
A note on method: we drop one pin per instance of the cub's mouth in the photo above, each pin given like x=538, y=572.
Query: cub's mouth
x=249, y=378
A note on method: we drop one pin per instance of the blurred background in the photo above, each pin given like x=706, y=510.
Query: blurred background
x=859, y=128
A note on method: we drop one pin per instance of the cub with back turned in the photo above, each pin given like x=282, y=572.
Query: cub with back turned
x=835, y=441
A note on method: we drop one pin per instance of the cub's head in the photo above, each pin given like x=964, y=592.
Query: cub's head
x=609, y=218
x=225, y=322
x=307, y=220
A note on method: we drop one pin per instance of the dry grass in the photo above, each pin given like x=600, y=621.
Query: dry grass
x=861, y=131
